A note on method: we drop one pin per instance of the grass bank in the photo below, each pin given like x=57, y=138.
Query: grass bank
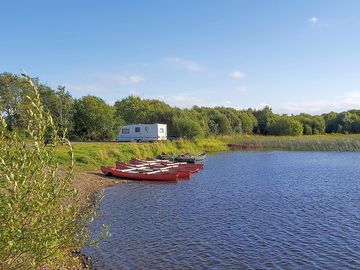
x=90, y=155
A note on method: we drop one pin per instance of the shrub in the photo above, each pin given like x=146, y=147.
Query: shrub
x=187, y=128
x=286, y=126
x=41, y=222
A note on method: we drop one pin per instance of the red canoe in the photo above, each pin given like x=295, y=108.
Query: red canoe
x=172, y=166
x=182, y=172
x=136, y=175
x=166, y=163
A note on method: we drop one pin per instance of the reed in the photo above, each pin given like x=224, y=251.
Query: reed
x=338, y=142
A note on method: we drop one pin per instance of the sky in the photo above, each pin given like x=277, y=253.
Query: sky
x=296, y=56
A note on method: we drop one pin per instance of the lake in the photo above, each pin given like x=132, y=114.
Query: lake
x=245, y=210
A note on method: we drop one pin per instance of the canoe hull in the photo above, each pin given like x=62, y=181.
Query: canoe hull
x=140, y=176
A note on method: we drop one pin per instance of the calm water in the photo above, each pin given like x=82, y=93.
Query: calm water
x=245, y=210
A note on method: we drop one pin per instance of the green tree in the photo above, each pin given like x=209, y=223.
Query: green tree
x=61, y=106
x=133, y=110
x=11, y=98
x=265, y=117
x=94, y=119
x=186, y=128
x=248, y=121
x=313, y=124
x=285, y=126
x=233, y=117
x=218, y=123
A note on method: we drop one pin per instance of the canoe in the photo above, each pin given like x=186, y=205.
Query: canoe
x=156, y=162
x=136, y=175
x=182, y=158
x=200, y=157
x=164, y=156
x=183, y=172
x=190, y=158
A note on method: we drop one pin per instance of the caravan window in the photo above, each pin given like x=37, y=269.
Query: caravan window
x=125, y=131
x=161, y=130
x=137, y=129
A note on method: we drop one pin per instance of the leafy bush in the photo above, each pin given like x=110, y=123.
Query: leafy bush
x=94, y=119
x=286, y=126
x=41, y=220
x=187, y=128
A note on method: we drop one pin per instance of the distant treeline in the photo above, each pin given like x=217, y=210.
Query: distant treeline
x=91, y=118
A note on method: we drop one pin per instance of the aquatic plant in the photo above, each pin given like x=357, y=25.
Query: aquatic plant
x=335, y=142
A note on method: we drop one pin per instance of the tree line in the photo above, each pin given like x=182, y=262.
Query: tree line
x=91, y=118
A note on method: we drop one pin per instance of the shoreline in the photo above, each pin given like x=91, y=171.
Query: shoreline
x=90, y=155
x=89, y=184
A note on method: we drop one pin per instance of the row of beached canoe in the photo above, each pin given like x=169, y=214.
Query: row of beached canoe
x=189, y=158
x=152, y=170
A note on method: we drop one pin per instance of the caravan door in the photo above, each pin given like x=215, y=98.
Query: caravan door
x=138, y=133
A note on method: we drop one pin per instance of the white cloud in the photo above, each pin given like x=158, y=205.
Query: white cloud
x=313, y=20
x=237, y=74
x=193, y=98
x=136, y=79
x=242, y=89
x=186, y=63
x=100, y=83
x=350, y=100
x=121, y=79
x=183, y=100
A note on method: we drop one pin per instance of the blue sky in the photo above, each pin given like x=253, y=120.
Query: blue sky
x=292, y=55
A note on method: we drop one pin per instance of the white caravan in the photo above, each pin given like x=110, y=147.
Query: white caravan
x=143, y=133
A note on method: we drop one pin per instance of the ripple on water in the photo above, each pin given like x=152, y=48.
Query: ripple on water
x=246, y=210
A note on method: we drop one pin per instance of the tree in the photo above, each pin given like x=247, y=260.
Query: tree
x=248, y=121
x=265, y=117
x=11, y=98
x=312, y=124
x=94, y=119
x=61, y=106
x=285, y=126
x=218, y=123
x=133, y=110
x=186, y=127
x=233, y=117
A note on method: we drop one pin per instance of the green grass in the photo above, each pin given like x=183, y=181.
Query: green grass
x=90, y=155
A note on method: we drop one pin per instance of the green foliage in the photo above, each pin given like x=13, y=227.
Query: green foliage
x=132, y=109
x=41, y=222
x=265, y=118
x=11, y=99
x=90, y=118
x=219, y=124
x=186, y=127
x=94, y=119
x=61, y=106
x=311, y=124
x=285, y=126
x=248, y=121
